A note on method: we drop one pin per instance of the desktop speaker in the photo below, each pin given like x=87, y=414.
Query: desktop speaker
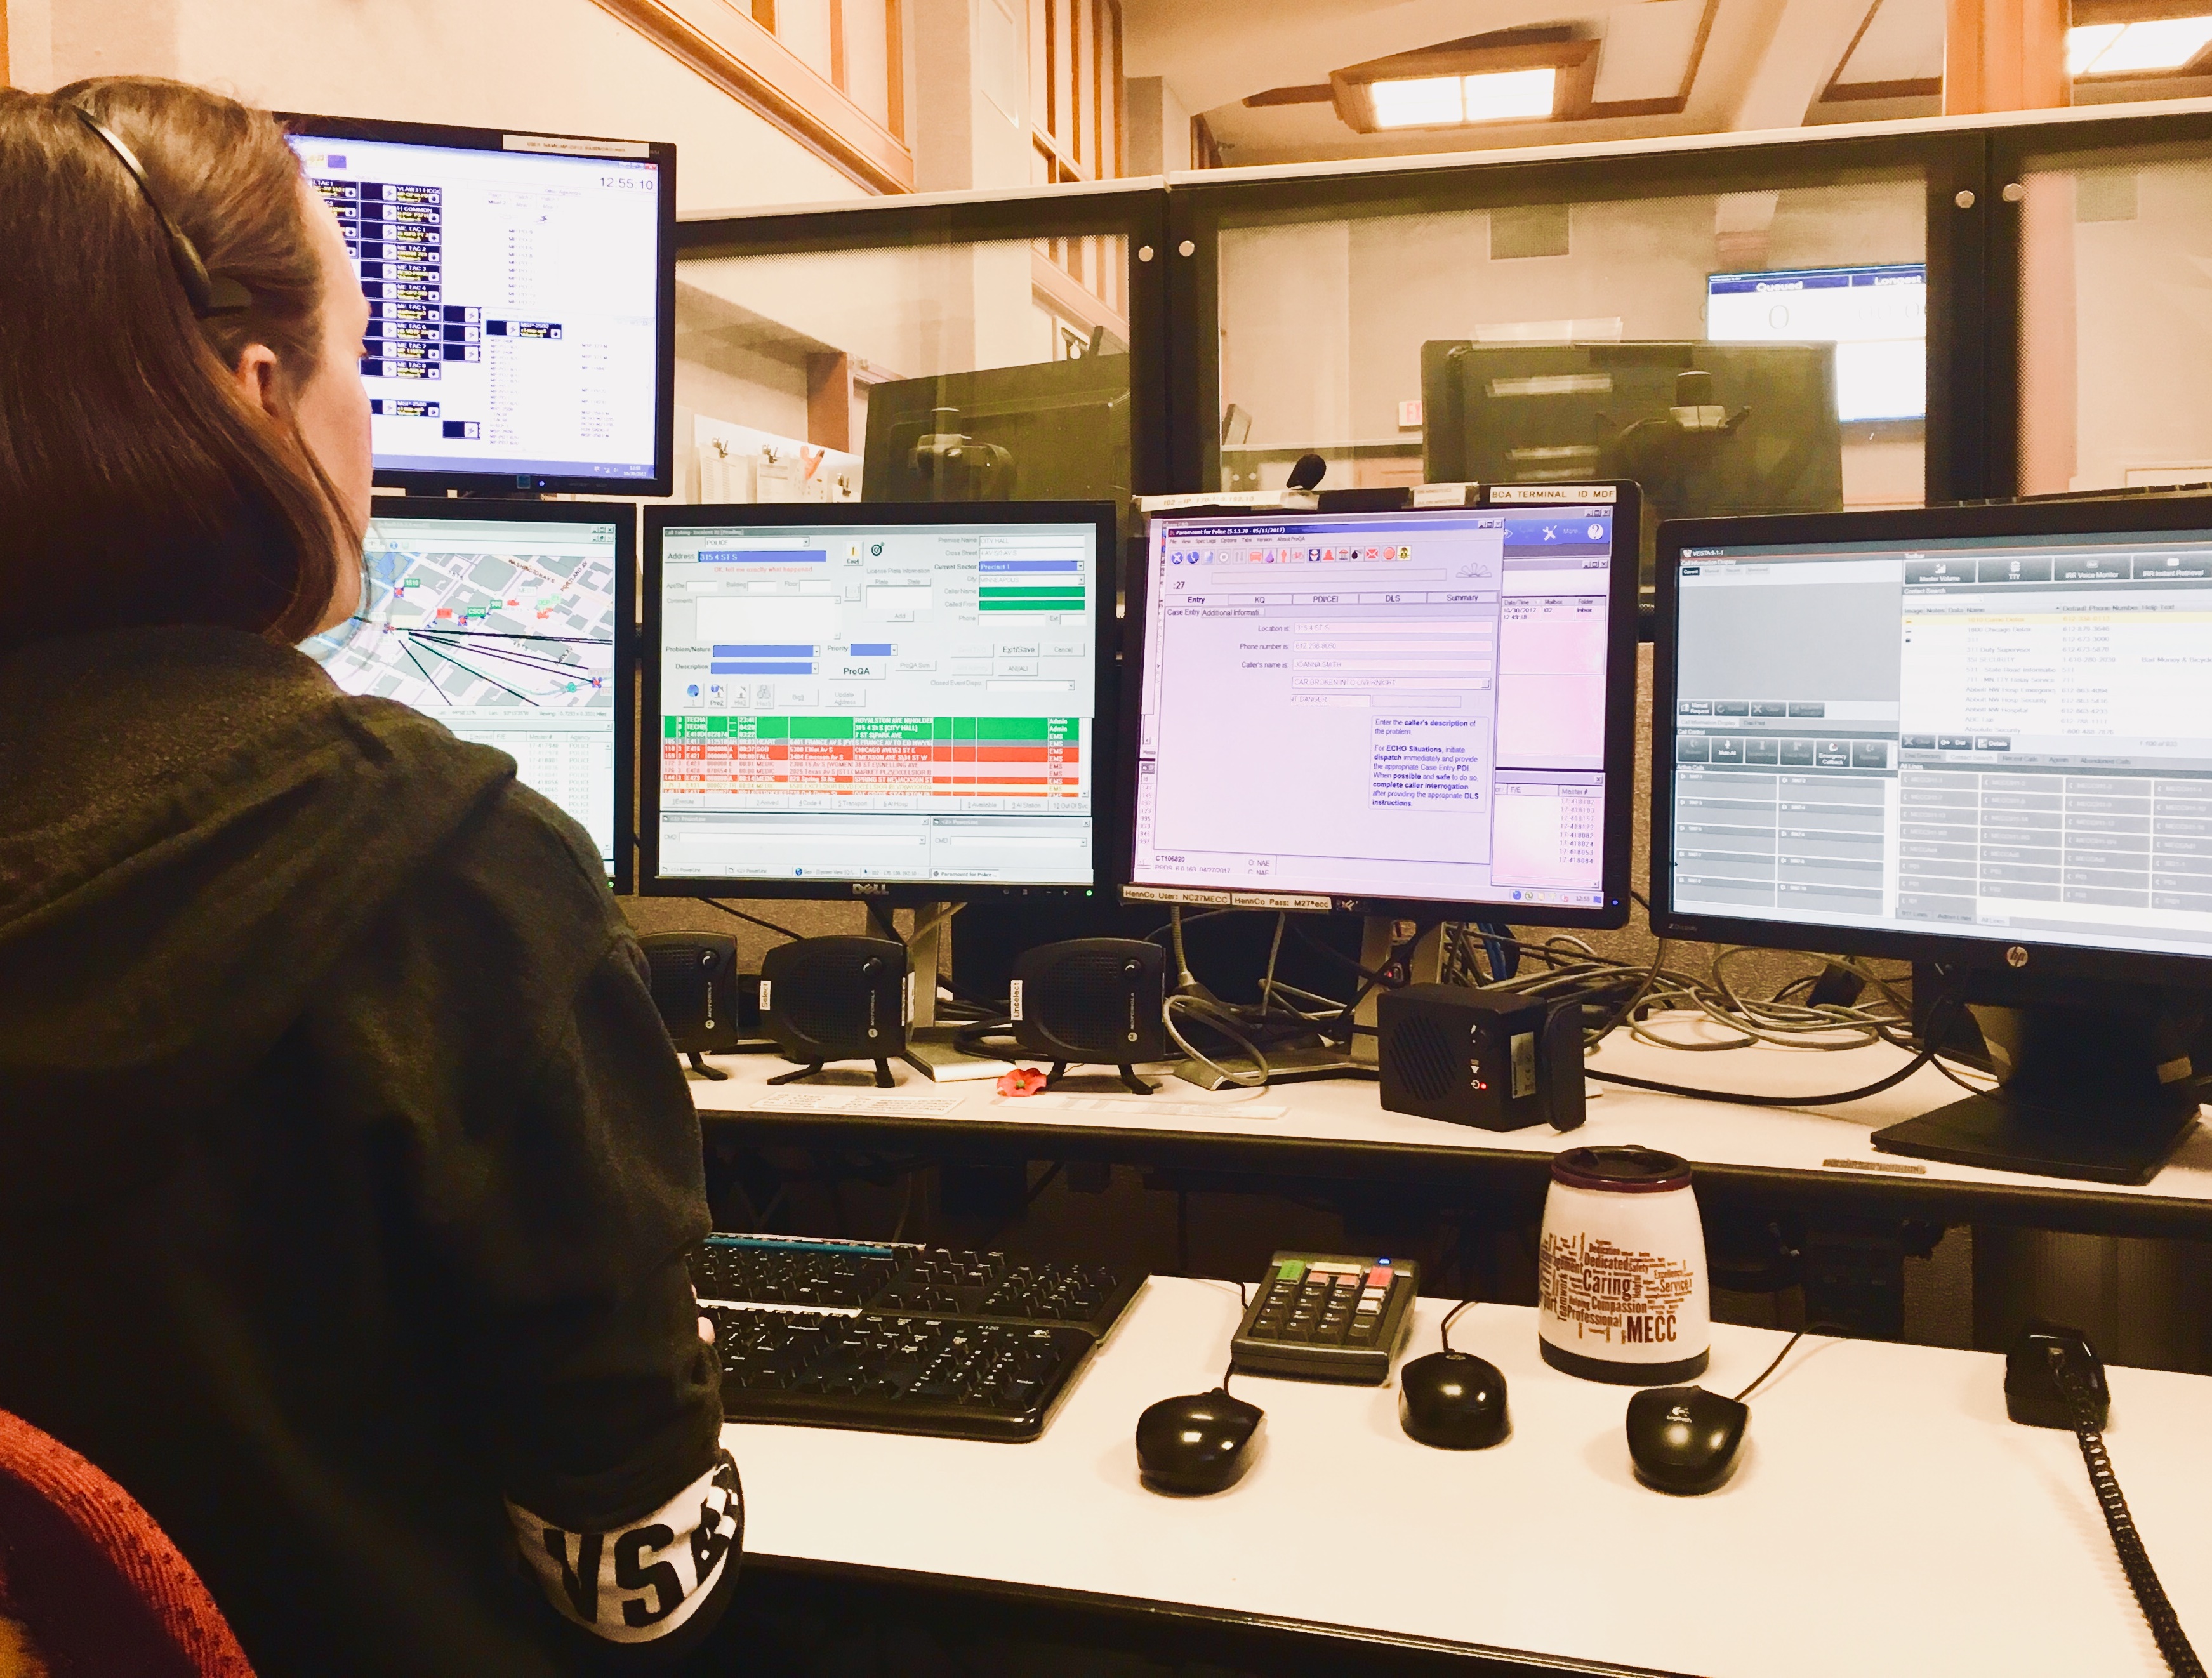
x=695, y=981
x=1497, y=1060
x=836, y=998
x=1097, y=1000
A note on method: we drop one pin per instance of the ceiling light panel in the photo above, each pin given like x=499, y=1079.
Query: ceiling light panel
x=2166, y=43
x=2085, y=44
x=1429, y=102
x=1503, y=95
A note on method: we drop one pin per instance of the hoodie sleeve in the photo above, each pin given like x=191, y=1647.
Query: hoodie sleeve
x=625, y=1508
x=555, y=1185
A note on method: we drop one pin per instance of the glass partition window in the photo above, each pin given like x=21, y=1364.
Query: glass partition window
x=926, y=371
x=1736, y=352
x=2116, y=336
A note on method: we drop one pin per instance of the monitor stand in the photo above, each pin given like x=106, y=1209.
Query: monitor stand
x=931, y=1049
x=2096, y=1095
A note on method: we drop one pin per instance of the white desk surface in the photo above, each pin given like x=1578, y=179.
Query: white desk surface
x=1819, y=1140
x=1886, y=1517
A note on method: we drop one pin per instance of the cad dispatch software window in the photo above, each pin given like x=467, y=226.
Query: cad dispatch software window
x=1982, y=739
x=504, y=632
x=511, y=304
x=891, y=703
x=1397, y=705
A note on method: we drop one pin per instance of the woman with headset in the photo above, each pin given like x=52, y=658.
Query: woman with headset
x=346, y=1173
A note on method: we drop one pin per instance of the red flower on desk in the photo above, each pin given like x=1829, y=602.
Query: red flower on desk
x=1021, y=1081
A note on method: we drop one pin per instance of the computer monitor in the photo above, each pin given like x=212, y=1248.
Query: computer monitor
x=521, y=297
x=901, y=703
x=503, y=621
x=1054, y=431
x=1704, y=429
x=1876, y=316
x=1393, y=712
x=1977, y=738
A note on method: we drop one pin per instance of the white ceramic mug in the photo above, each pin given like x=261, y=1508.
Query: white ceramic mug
x=1621, y=1272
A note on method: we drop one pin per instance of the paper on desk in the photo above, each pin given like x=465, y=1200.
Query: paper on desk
x=1147, y=1106
x=863, y=1103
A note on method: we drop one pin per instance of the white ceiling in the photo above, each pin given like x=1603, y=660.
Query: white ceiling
x=1765, y=64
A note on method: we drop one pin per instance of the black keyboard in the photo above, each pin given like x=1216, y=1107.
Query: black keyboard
x=899, y=1338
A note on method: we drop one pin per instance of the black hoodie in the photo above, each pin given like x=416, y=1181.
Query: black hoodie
x=346, y=1173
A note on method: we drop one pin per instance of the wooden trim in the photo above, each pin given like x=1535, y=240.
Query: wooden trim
x=837, y=47
x=1316, y=93
x=895, y=62
x=3, y=43
x=1842, y=93
x=729, y=49
x=1065, y=295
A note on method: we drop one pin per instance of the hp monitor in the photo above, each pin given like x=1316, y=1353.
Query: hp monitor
x=521, y=300
x=502, y=621
x=1390, y=712
x=1980, y=739
x=904, y=703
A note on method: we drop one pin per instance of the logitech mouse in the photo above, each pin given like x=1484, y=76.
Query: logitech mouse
x=1684, y=1439
x=1453, y=1401
x=1201, y=1441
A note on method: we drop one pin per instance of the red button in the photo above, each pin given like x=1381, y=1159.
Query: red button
x=1379, y=1276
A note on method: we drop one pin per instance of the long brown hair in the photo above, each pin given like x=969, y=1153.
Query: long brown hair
x=139, y=485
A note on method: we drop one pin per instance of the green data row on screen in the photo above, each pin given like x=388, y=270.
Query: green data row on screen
x=1051, y=731
x=1046, y=598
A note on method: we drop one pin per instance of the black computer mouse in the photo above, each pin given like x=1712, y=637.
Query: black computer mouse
x=1684, y=1439
x=1453, y=1401
x=1201, y=1441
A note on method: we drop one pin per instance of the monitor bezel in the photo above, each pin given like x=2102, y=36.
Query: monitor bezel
x=659, y=152
x=623, y=516
x=2029, y=957
x=1621, y=632
x=1106, y=816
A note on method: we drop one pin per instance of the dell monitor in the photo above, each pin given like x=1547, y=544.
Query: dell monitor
x=1702, y=429
x=893, y=703
x=521, y=302
x=1876, y=316
x=1419, y=713
x=502, y=621
x=1976, y=738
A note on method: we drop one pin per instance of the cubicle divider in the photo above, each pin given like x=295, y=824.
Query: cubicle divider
x=1269, y=313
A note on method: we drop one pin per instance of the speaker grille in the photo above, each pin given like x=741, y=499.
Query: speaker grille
x=1424, y=1059
x=1084, y=1001
x=822, y=988
x=680, y=976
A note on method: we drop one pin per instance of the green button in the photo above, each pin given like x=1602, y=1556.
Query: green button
x=1292, y=1270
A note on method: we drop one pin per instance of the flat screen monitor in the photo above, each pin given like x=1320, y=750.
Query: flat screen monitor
x=1977, y=737
x=1052, y=431
x=1704, y=429
x=521, y=298
x=891, y=702
x=502, y=620
x=1362, y=711
x=1876, y=316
